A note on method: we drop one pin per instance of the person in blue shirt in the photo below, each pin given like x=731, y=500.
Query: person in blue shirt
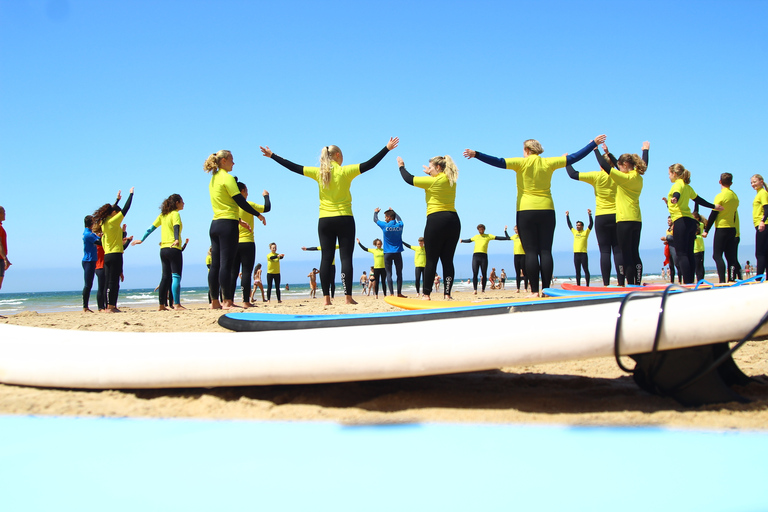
x=90, y=241
x=392, y=230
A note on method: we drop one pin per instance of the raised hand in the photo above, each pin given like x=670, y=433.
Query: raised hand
x=266, y=151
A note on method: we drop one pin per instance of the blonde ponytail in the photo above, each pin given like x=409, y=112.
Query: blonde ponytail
x=211, y=163
x=681, y=173
x=326, y=164
x=448, y=167
x=758, y=176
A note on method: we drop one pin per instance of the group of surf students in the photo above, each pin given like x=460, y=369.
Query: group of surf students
x=618, y=223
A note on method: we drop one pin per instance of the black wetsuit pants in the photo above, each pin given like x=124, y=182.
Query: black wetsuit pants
x=607, y=241
x=628, y=235
x=441, y=236
x=89, y=271
x=725, y=243
x=684, y=237
x=101, y=288
x=379, y=276
x=113, y=269
x=520, y=274
x=245, y=257
x=581, y=261
x=273, y=279
x=333, y=231
x=397, y=259
x=479, y=265
x=761, y=251
x=171, y=262
x=419, y=275
x=537, y=230
x=224, y=234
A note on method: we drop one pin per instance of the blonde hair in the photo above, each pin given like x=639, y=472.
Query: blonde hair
x=761, y=179
x=326, y=162
x=533, y=146
x=212, y=162
x=638, y=164
x=681, y=172
x=446, y=166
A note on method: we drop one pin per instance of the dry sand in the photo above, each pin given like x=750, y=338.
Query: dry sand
x=589, y=392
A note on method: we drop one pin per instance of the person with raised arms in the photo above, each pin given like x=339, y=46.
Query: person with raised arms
x=226, y=201
x=759, y=216
x=580, y=238
x=627, y=171
x=392, y=234
x=110, y=217
x=379, y=268
x=245, y=256
x=480, y=253
x=519, y=254
x=419, y=262
x=171, y=259
x=443, y=228
x=684, y=226
x=336, y=223
x=725, y=223
x=535, y=208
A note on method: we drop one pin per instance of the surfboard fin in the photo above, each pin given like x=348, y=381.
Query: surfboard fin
x=678, y=374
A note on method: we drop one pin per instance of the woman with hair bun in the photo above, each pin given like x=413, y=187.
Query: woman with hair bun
x=171, y=260
x=443, y=228
x=226, y=201
x=535, y=208
x=759, y=216
x=336, y=225
x=110, y=217
x=684, y=226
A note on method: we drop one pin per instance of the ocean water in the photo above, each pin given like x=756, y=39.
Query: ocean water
x=51, y=302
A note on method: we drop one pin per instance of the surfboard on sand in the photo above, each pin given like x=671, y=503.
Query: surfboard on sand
x=520, y=304
x=118, y=360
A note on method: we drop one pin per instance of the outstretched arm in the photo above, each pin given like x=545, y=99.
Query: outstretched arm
x=242, y=203
x=378, y=157
x=568, y=220
x=407, y=177
x=575, y=157
x=591, y=221
x=488, y=159
x=298, y=169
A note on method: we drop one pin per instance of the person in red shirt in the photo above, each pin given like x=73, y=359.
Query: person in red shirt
x=4, y=262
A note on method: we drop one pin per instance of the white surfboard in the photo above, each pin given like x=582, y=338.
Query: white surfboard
x=117, y=360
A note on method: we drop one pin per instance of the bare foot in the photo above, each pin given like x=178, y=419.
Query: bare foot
x=327, y=299
x=350, y=300
x=162, y=308
x=247, y=305
x=215, y=304
x=178, y=307
x=402, y=296
x=447, y=297
x=85, y=310
x=425, y=297
x=112, y=309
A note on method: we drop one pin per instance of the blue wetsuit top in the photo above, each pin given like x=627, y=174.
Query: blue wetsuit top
x=392, y=233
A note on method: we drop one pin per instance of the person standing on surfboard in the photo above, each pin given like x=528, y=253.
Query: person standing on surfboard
x=684, y=226
x=726, y=222
x=580, y=237
x=480, y=253
x=419, y=262
x=535, y=208
x=605, y=216
x=336, y=222
x=226, y=201
x=392, y=233
x=441, y=234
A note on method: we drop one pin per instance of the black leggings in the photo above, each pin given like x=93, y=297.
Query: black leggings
x=89, y=270
x=699, y=258
x=628, y=235
x=761, y=251
x=333, y=231
x=607, y=241
x=245, y=257
x=101, y=289
x=419, y=275
x=379, y=275
x=683, y=238
x=537, y=230
x=273, y=278
x=479, y=264
x=171, y=261
x=441, y=236
x=397, y=259
x=581, y=260
x=113, y=269
x=224, y=234
x=520, y=274
x=725, y=242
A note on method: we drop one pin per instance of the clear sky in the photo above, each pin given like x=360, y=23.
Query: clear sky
x=99, y=96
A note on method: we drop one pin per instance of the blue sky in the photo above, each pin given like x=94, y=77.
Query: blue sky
x=99, y=96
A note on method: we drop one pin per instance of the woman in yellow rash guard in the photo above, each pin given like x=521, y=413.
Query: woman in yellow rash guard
x=336, y=223
x=226, y=201
x=580, y=238
x=725, y=222
x=684, y=226
x=246, y=245
x=519, y=261
x=419, y=262
x=627, y=172
x=441, y=234
x=480, y=253
x=379, y=270
x=110, y=216
x=171, y=260
x=273, y=271
x=535, y=208
x=759, y=216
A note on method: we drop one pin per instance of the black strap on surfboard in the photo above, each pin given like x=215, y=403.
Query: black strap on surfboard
x=693, y=376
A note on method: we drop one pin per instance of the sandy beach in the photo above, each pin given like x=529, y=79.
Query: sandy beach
x=588, y=392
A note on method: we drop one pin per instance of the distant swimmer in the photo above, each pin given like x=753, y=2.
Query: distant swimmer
x=392, y=234
x=759, y=216
x=580, y=238
x=480, y=254
x=379, y=271
x=441, y=234
x=419, y=262
x=684, y=226
x=725, y=222
x=627, y=171
x=535, y=207
x=110, y=217
x=273, y=272
x=336, y=223
x=171, y=259
x=226, y=201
